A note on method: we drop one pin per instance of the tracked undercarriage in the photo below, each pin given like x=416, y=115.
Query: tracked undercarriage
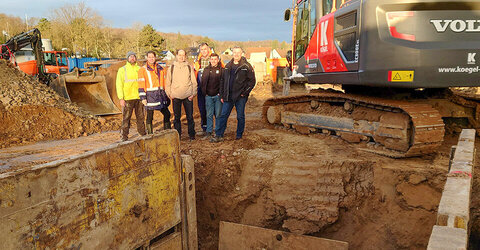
x=395, y=128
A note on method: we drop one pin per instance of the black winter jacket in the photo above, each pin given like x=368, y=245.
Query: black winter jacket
x=211, y=77
x=242, y=85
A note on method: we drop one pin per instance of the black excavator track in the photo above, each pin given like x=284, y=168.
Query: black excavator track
x=402, y=128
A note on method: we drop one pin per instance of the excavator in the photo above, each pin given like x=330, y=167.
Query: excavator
x=15, y=44
x=403, y=67
x=86, y=89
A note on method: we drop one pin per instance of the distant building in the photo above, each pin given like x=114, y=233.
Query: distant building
x=225, y=58
x=282, y=53
x=227, y=52
x=278, y=53
x=167, y=55
x=192, y=52
x=258, y=54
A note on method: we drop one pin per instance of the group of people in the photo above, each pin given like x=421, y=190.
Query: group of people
x=218, y=89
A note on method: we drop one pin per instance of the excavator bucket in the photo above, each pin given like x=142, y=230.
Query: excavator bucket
x=88, y=90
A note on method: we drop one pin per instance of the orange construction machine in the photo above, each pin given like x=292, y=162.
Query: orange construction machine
x=47, y=65
x=88, y=90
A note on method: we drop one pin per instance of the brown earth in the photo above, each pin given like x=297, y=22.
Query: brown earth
x=30, y=111
x=316, y=185
x=277, y=179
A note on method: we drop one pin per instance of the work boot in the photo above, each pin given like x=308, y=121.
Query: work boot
x=167, y=125
x=149, y=129
x=216, y=139
x=207, y=135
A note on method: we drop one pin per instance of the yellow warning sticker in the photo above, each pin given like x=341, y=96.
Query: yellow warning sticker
x=401, y=76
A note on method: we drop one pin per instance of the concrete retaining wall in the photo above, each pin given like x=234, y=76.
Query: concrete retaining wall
x=451, y=229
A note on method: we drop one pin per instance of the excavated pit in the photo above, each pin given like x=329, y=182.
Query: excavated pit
x=318, y=186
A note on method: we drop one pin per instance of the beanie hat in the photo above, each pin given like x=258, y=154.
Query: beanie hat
x=131, y=53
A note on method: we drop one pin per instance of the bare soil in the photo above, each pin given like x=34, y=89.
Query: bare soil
x=309, y=184
x=30, y=112
x=316, y=185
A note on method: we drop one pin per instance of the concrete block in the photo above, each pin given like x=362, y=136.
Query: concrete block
x=464, y=153
x=453, y=210
x=467, y=134
x=447, y=238
x=461, y=167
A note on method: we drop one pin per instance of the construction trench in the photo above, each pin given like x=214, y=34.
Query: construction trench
x=92, y=191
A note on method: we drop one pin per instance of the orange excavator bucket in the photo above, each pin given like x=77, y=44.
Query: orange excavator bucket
x=88, y=90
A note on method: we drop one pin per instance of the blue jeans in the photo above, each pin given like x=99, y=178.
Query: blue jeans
x=221, y=124
x=214, y=107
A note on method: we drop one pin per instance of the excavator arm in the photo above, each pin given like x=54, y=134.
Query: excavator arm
x=16, y=43
x=88, y=90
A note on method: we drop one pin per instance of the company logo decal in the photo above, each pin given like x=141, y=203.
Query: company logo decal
x=456, y=25
x=323, y=36
x=471, y=58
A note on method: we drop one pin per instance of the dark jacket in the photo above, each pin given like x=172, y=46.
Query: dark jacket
x=211, y=78
x=243, y=83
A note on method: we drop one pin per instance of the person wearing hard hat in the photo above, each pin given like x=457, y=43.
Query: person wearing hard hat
x=127, y=93
x=151, y=83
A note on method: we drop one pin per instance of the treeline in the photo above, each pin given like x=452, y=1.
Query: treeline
x=82, y=31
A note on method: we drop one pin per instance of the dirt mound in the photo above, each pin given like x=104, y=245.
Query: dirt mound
x=30, y=111
x=262, y=91
x=18, y=89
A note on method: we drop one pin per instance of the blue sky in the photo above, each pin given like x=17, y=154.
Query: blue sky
x=233, y=20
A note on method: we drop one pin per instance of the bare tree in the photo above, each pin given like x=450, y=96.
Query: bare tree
x=81, y=23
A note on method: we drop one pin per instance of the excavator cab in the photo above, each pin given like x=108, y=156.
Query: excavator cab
x=56, y=62
x=380, y=43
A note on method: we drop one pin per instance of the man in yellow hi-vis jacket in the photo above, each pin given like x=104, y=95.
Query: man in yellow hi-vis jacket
x=127, y=92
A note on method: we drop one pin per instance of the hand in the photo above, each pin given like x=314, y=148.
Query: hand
x=242, y=95
x=190, y=98
x=221, y=99
x=122, y=103
x=144, y=102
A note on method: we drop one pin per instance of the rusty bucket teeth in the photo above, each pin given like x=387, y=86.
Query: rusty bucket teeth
x=418, y=126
